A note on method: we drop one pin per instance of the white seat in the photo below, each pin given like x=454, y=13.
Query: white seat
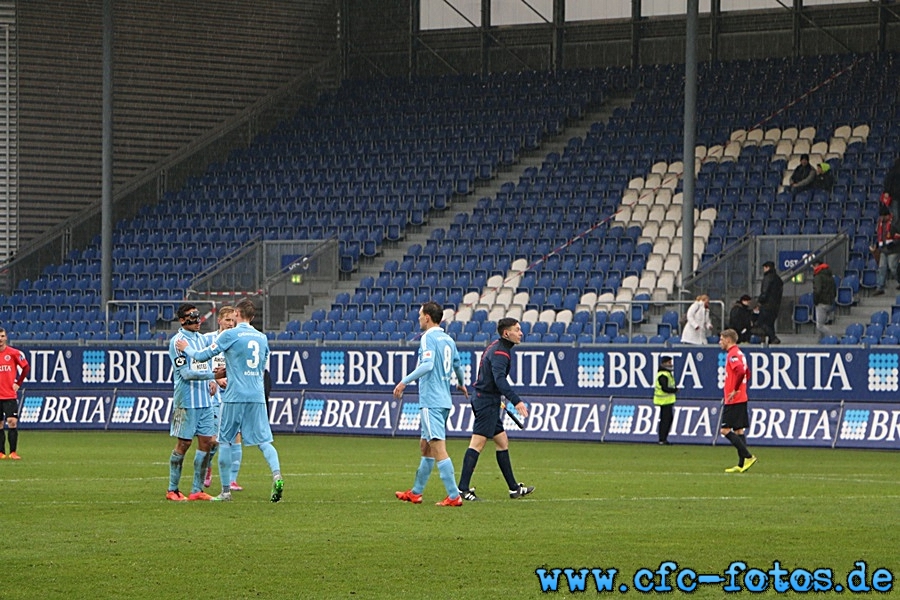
x=631, y=282
x=784, y=148
x=589, y=298
x=639, y=214
x=515, y=312
x=655, y=262
x=512, y=280
x=861, y=132
x=657, y=214
x=489, y=298
x=449, y=315
x=666, y=281
x=732, y=151
x=702, y=229
x=530, y=316
x=494, y=282
x=738, y=135
x=471, y=298
x=646, y=197
x=659, y=167
x=771, y=136
x=802, y=146
x=819, y=148
x=789, y=133
x=673, y=213
x=843, y=131
x=520, y=264
x=673, y=263
x=670, y=181
x=793, y=161
x=699, y=153
x=662, y=245
x=504, y=297
x=837, y=146
x=547, y=316
x=520, y=299
x=807, y=133
x=636, y=183
x=648, y=280
x=667, y=229
x=653, y=181
x=754, y=137
x=650, y=231
x=709, y=214
x=674, y=245
x=464, y=314
x=629, y=196
x=605, y=301
x=663, y=196
x=497, y=312
x=623, y=215
x=564, y=316
x=714, y=153
x=624, y=294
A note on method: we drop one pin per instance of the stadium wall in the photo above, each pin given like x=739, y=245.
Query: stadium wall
x=817, y=396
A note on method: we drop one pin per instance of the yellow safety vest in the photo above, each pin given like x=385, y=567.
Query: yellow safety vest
x=660, y=397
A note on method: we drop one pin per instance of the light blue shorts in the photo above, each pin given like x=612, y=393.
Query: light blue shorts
x=250, y=419
x=434, y=423
x=190, y=422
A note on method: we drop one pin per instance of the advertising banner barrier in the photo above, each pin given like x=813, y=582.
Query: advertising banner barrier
x=821, y=396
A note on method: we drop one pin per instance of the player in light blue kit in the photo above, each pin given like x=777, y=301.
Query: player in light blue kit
x=225, y=319
x=438, y=359
x=192, y=410
x=244, y=410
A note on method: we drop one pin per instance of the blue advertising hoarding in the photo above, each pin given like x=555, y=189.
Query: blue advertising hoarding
x=601, y=394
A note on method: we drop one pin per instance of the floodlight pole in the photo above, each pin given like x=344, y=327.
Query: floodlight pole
x=106, y=219
x=690, y=140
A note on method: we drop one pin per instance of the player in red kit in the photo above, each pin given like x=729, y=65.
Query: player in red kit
x=13, y=371
x=734, y=415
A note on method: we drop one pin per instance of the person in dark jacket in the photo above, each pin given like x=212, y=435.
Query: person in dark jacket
x=741, y=318
x=824, y=294
x=887, y=230
x=803, y=176
x=770, y=293
x=824, y=179
x=491, y=387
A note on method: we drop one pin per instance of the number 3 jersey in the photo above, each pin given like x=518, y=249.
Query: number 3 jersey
x=246, y=352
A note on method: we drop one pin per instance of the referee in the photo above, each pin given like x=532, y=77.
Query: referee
x=490, y=385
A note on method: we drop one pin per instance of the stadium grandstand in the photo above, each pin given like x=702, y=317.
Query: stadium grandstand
x=344, y=193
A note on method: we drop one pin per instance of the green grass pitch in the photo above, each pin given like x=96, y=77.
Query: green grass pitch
x=84, y=516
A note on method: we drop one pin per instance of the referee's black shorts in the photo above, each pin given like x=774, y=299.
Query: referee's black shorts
x=488, y=421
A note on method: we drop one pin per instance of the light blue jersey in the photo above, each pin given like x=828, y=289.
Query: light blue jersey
x=218, y=361
x=246, y=352
x=438, y=358
x=191, y=376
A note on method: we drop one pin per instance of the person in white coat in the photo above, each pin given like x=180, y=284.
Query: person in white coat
x=698, y=324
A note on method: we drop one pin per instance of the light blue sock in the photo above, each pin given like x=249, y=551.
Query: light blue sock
x=422, y=474
x=237, y=455
x=200, y=458
x=175, y=463
x=225, y=450
x=448, y=476
x=271, y=456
